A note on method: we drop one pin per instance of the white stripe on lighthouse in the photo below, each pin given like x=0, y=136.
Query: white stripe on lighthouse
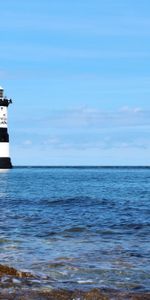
x=4, y=149
x=3, y=116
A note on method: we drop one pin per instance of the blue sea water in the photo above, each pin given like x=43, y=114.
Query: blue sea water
x=77, y=227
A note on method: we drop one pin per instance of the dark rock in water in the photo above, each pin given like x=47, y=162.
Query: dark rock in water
x=5, y=270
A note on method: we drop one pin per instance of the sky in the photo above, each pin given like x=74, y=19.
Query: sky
x=79, y=76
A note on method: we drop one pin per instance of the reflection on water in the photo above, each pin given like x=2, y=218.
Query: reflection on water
x=77, y=227
x=3, y=183
x=4, y=170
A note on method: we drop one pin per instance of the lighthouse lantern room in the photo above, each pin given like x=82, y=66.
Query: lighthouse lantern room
x=5, y=161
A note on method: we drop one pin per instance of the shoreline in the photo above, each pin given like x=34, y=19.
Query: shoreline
x=17, y=285
x=93, y=294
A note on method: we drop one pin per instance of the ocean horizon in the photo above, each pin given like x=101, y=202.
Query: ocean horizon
x=81, y=166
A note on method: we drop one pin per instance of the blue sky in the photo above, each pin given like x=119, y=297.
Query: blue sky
x=79, y=74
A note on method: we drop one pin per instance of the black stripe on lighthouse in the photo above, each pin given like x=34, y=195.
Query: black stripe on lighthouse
x=5, y=163
x=4, y=136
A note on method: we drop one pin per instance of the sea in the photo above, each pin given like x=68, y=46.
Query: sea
x=77, y=227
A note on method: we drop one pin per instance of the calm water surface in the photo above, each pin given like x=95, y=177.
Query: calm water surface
x=77, y=227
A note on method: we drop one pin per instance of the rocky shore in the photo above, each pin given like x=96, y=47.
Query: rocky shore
x=12, y=288
x=94, y=294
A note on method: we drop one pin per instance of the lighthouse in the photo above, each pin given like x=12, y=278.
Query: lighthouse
x=5, y=161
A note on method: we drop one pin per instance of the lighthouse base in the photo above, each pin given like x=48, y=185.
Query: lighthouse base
x=5, y=163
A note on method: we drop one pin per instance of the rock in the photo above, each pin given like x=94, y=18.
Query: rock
x=5, y=270
x=94, y=294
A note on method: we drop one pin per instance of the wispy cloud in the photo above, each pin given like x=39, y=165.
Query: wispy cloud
x=111, y=25
x=43, y=52
x=86, y=117
x=27, y=142
x=83, y=141
x=86, y=128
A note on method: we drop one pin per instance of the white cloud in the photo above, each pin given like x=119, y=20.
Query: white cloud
x=85, y=117
x=27, y=142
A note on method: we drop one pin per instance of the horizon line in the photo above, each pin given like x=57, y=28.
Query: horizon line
x=81, y=166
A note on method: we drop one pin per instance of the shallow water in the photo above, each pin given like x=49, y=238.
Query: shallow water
x=77, y=227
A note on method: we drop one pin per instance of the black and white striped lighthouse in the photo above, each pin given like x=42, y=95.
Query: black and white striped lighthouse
x=5, y=161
